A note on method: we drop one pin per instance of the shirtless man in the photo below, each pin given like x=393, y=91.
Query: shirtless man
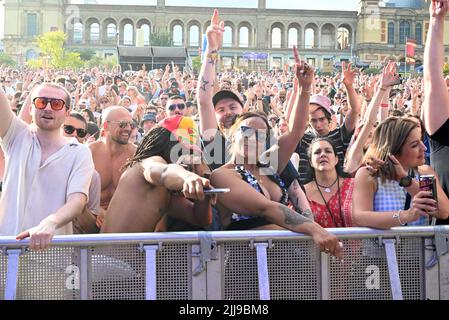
x=111, y=153
x=151, y=184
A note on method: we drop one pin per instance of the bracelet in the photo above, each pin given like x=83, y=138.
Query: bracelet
x=383, y=89
x=368, y=100
x=384, y=105
x=212, y=56
x=397, y=215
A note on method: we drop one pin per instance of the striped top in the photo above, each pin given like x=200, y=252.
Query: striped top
x=340, y=138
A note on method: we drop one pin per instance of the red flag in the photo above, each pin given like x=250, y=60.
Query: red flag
x=410, y=48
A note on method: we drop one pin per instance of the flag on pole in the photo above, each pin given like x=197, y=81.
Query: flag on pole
x=410, y=46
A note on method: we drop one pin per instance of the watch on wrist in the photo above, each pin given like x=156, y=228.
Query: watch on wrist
x=405, y=181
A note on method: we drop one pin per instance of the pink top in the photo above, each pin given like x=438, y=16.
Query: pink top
x=322, y=216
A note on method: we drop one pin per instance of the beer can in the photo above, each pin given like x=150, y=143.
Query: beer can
x=428, y=183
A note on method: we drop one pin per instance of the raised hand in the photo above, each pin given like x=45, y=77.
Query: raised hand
x=348, y=74
x=389, y=76
x=439, y=8
x=214, y=32
x=304, y=73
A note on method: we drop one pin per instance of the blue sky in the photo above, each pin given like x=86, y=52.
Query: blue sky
x=275, y=4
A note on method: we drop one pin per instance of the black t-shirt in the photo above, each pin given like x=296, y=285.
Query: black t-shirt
x=340, y=137
x=439, y=156
x=442, y=135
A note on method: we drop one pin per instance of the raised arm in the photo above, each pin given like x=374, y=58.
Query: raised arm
x=297, y=123
x=436, y=96
x=353, y=101
x=205, y=91
x=6, y=114
x=354, y=154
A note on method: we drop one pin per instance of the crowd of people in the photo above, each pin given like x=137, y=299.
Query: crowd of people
x=95, y=150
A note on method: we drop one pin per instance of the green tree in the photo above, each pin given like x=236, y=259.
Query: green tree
x=446, y=69
x=7, y=60
x=161, y=39
x=85, y=54
x=196, y=64
x=53, y=54
x=102, y=63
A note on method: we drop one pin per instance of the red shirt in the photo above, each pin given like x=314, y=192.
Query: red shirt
x=322, y=216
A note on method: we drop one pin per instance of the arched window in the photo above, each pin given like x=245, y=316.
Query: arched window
x=177, y=35
x=404, y=31
x=94, y=32
x=227, y=37
x=128, y=34
x=146, y=34
x=292, y=37
x=30, y=55
x=78, y=32
x=418, y=33
x=343, y=38
x=390, y=33
x=244, y=37
x=194, y=36
x=276, y=37
x=309, y=40
x=111, y=31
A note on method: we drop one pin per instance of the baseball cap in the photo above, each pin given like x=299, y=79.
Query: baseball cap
x=184, y=129
x=322, y=101
x=148, y=117
x=223, y=94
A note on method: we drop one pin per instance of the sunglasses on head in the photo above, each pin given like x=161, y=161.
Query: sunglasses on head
x=55, y=104
x=81, y=133
x=123, y=124
x=248, y=132
x=180, y=106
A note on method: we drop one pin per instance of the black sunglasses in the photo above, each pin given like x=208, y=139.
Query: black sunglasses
x=123, y=124
x=81, y=133
x=248, y=132
x=180, y=106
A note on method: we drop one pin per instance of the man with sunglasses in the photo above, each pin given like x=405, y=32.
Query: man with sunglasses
x=111, y=152
x=43, y=160
x=176, y=106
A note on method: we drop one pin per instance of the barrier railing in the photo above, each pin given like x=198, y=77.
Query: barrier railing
x=399, y=263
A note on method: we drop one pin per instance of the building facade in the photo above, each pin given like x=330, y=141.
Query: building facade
x=375, y=32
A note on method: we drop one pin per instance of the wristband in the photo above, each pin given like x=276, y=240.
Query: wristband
x=384, y=105
x=383, y=89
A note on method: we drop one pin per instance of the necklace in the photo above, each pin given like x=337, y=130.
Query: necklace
x=326, y=188
x=327, y=205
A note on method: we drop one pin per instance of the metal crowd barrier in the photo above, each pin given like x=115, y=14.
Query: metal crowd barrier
x=399, y=263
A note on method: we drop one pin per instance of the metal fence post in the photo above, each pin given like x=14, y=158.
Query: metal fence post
x=150, y=278
x=262, y=271
x=393, y=270
x=12, y=273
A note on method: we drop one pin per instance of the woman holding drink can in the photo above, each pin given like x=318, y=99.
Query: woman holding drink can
x=390, y=195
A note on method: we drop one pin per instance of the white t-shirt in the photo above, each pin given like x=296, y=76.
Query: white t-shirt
x=31, y=192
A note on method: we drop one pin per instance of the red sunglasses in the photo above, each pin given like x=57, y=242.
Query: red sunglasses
x=55, y=104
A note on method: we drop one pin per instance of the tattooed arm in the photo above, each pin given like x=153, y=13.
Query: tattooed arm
x=256, y=204
x=205, y=91
x=299, y=200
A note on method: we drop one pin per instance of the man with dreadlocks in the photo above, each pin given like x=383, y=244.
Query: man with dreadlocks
x=153, y=184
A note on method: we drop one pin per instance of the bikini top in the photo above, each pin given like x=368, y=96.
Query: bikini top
x=249, y=178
